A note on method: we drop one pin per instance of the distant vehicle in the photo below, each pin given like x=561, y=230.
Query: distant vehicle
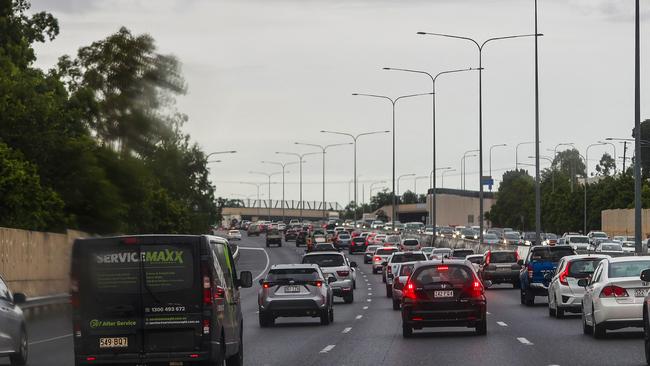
x=392, y=240
x=564, y=294
x=253, y=230
x=410, y=244
x=446, y=232
x=441, y=253
x=461, y=253
x=379, y=239
x=540, y=263
x=490, y=239
x=427, y=251
x=233, y=235
x=436, y=287
x=301, y=238
x=324, y=247
x=512, y=238
x=415, y=227
x=476, y=260
x=609, y=248
x=595, y=235
x=175, y=284
x=14, y=327
x=549, y=239
x=370, y=251
x=377, y=224
x=468, y=234
x=402, y=273
x=358, y=244
x=295, y=290
x=577, y=242
x=338, y=266
x=273, y=236
x=343, y=240
x=390, y=266
x=610, y=296
x=530, y=238
x=380, y=256
x=500, y=266
x=290, y=234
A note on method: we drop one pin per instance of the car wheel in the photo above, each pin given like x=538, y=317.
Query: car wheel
x=389, y=291
x=331, y=314
x=238, y=358
x=481, y=327
x=325, y=317
x=598, y=330
x=559, y=312
x=586, y=329
x=515, y=284
x=407, y=331
x=522, y=298
x=266, y=320
x=395, y=304
x=551, y=311
x=383, y=279
x=349, y=298
x=646, y=335
x=20, y=358
x=529, y=299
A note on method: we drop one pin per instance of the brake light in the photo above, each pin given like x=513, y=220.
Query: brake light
x=207, y=284
x=206, y=326
x=443, y=268
x=343, y=273
x=516, y=257
x=477, y=289
x=219, y=293
x=389, y=269
x=318, y=283
x=377, y=259
x=91, y=358
x=565, y=274
x=266, y=285
x=194, y=355
x=487, y=258
x=613, y=291
x=409, y=291
x=530, y=271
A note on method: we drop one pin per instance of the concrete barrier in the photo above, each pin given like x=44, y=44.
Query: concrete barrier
x=36, y=263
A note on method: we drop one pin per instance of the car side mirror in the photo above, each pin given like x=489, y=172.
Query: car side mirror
x=353, y=264
x=261, y=281
x=520, y=262
x=583, y=282
x=645, y=275
x=487, y=283
x=20, y=298
x=384, y=264
x=245, y=279
x=331, y=279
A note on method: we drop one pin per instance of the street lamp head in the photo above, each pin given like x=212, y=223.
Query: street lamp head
x=386, y=68
x=355, y=93
x=421, y=33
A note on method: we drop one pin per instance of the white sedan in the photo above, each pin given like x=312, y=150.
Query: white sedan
x=234, y=235
x=614, y=296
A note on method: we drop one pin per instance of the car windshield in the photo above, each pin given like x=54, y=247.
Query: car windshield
x=475, y=259
x=503, y=257
x=324, y=260
x=491, y=236
x=550, y=236
x=462, y=253
x=627, y=268
x=442, y=251
x=468, y=232
x=512, y=236
x=599, y=235
x=372, y=248
x=344, y=237
x=410, y=242
x=552, y=254
x=454, y=274
x=529, y=236
x=582, y=268
x=408, y=257
x=295, y=274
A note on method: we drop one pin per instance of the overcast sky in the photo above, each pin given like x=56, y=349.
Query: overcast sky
x=263, y=74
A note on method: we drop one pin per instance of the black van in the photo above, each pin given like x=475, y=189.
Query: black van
x=150, y=299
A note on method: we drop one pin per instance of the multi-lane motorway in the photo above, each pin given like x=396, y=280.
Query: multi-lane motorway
x=368, y=331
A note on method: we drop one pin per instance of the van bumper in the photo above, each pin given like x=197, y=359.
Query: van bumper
x=131, y=358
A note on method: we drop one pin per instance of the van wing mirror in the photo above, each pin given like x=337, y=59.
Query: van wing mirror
x=19, y=298
x=645, y=275
x=245, y=279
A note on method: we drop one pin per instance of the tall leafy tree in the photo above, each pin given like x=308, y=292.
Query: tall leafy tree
x=606, y=165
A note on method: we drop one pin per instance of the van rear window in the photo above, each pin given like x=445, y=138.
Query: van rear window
x=553, y=254
x=503, y=257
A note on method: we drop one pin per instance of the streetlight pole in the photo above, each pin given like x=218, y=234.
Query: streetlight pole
x=443, y=176
x=638, y=245
x=300, y=161
x=393, y=101
x=613, y=147
x=257, y=185
x=433, y=172
x=283, y=165
x=517, y=152
x=432, y=217
x=587, y=181
x=372, y=186
x=323, y=149
x=492, y=147
x=462, y=166
x=415, y=183
x=268, y=175
x=355, y=138
x=220, y=152
x=538, y=190
x=480, y=47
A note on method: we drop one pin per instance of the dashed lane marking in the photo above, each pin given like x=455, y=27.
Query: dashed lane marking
x=346, y=330
x=524, y=341
x=365, y=308
x=328, y=348
x=358, y=317
x=369, y=300
x=502, y=324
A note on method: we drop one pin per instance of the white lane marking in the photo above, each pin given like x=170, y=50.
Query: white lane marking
x=50, y=339
x=358, y=317
x=365, y=308
x=328, y=348
x=369, y=293
x=346, y=330
x=502, y=324
x=488, y=313
x=369, y=300
x=268, y=261
x=524, y=341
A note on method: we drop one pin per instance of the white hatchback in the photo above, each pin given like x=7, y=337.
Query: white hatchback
x=614, y=296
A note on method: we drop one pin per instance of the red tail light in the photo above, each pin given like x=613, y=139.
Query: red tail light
x=206, y=326
x=477, y=289
x=91, y=358
x=318, y=283
x=443, y=268
x=516, y=257
x=266, y=285
x=343, y=273
x=389, y=269
x=530, y=271
x=219, y=293
x=130, y=241
x=207, y=284
x=613, y=291
x=376, y=259
x=409, y=291
x=487, y=258
x=565, y=274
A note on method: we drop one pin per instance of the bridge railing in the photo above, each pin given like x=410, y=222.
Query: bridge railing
x=288, y=204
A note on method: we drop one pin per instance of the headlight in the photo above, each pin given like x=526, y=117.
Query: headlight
x=475, y=236
x=505, y=241
x=462, y=236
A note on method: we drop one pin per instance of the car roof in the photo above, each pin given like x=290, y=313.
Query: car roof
x=628, y=259
x=322, y=252
x=585, y=256
x=434, y=262
x=293, y=265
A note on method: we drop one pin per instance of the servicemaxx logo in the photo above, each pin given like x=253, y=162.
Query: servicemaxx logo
x=164, y=256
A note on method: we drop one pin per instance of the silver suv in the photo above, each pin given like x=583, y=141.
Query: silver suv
x=391, y=267
x=13, y=331
x=337, y=265
x=295, y=290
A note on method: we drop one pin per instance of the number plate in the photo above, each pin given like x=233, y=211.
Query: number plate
x=115, y=342
x=640, y=292
x=292, y=289
x=443, y=293
x=503, y=269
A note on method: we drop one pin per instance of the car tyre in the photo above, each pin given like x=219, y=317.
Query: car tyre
x=515, y=284
x=529, y=299
x=646, y=335
x=407, y=331
x=551, y=312
x=238, y=358
x=559, y=313
x=481, y=327
x=389, y=291
x=521, y=297
x=20, y=358
x=266, y=320
x=349, y=298
x=331, y=314
x=396, y=304
x=325, y=317
x=586, y=328
x=599, y=331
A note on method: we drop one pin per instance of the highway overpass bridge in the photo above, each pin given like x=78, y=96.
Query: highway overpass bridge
x=249, y=209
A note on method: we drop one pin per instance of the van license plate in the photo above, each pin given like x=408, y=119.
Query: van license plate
x=115, y=342
x=443, y=293
x=292, y=289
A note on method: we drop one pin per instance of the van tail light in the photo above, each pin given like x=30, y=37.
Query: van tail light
x=343, y=273
x=207, y=284
x=565, y=274
x=409, y=291
x=613, y=291
x=219, y=293
x=530, y=271
x=206, y=326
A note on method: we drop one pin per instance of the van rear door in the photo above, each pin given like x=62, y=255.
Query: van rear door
x=137, y=295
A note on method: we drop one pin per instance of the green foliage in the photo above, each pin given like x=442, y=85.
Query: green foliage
x=515, y=201
x=569, y=162
x=606, y=165
x=409, y=197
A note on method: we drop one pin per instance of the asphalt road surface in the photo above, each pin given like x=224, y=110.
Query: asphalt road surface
x=368, y=331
